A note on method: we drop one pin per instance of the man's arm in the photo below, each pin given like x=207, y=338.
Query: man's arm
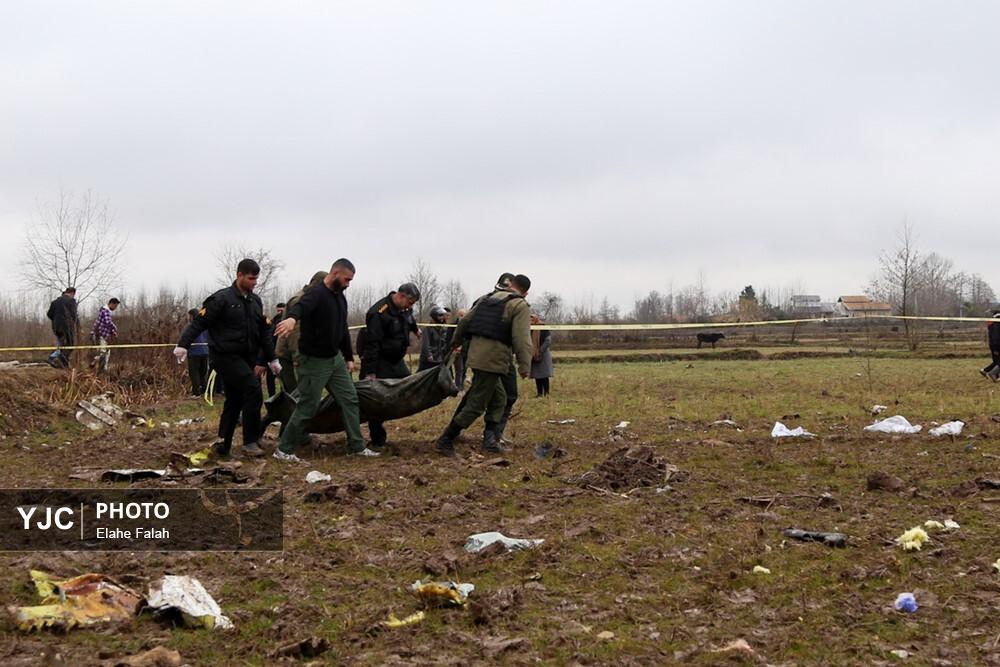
x=520, y=327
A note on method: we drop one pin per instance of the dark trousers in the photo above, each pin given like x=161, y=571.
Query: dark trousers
x=198, y=372
x=385, y=370
x=510, y=389
x=996, y=361
x=288, y=377
x=63, y=339
x=542, y=385
x=424, y=365
x=485, y=398
x=269, y=376
x=243, y=396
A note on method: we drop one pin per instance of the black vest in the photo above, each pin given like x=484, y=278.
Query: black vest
x=487, y=320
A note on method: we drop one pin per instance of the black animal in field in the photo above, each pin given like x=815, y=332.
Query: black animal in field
x=712, y=338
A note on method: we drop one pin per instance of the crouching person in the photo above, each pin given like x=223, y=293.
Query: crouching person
x=499, y=323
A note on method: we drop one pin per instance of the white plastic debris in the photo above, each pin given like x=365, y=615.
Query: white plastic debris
x=315, y=476
x=98, y=412
x=726, y=422
x=782, y=431
x=189, y=597
x=480, y=541
x=950, y=524
x=878, y=409
x=561, y=422
x=760, y=569
x=622, y=425
x=951, y=428
x=931, y=524
x=895, y=424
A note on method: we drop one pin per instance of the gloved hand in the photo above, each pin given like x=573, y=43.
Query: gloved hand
x=275, y=366
x=181, y=354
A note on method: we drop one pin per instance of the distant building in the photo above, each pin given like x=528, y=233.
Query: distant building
x=809, y=305
x=861, y=306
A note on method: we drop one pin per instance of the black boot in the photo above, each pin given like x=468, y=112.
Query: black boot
x=501, y=426
x=222, y=449
x=491, y=439
x=446, y=443
x=253, y=449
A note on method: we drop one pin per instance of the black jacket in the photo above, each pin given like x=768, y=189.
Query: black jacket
x=62, y=312
x=321, y=314
x=235, y=324
x=386, y=335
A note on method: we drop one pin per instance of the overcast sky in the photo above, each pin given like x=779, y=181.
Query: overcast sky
x=602, y=148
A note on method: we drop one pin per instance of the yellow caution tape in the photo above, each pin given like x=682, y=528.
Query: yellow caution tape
x=581, y=327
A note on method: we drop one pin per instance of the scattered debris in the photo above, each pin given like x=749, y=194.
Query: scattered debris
x=782, y=431
x=950, y=524
x=913, y=539
x=996, y=566
x=895, y=425
x=311, y=647
x=315, y=476
x=829, y=539
x=905, y=602
x=729, y=423
x=930, y=524
x=334, y=492
x=160, y=656
x=436, y=593
x=882, y=481
x=953, y=428
x=760, y=569
x=187, y=598
x=900, y=653
x=607, y=635
x=622, y=425
x=89, y=599
x=561, y=422
x=628, y=468
x=480, y=541
x=740, y=647
x=984, y=483
x=878, y=409
x=393, y=622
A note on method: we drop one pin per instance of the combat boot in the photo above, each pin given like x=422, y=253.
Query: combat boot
x=491, y=441
x=253, y=449
x=222, y=449
x=446, y=443
x=995, y=373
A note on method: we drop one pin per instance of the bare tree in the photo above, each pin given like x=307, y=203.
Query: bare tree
x=901, y=276
x=73, y=242
x=453, y=296
x=270, y=267
x=423, y=277
x=550, y=307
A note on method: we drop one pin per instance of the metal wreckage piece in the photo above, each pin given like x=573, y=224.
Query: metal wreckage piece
x=89, y=599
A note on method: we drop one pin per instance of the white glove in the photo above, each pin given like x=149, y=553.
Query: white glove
x=181, y=354
x=275, y=366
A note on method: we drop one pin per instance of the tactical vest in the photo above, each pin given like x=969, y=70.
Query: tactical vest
x=487, y=320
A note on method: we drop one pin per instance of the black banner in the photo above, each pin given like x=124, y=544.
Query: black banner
x=141, y=519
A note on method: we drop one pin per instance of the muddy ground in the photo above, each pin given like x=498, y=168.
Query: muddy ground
x=651, y=532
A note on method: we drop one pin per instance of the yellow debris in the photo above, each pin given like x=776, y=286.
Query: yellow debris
x=394, y=622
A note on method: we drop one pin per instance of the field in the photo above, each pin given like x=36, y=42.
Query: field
x=642, y=564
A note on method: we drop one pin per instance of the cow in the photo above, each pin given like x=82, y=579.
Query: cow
x=712, y=338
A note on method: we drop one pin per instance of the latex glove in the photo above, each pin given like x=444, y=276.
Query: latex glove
x=350, y=368
x=181, y=354
x=275, y=367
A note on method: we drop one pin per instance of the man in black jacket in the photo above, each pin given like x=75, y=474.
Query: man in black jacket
x=325, y=360
x=240, y=344
x=384, y=341
x=62, y=312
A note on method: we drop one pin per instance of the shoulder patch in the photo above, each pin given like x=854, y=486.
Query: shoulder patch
x=202, y=311
x=383, y=308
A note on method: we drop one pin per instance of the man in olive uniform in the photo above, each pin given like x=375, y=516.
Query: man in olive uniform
x=287, y=347
x=497, y=326
x=240, y=344
x=384, y=341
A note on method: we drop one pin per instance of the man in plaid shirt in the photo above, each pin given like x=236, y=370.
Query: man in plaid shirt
x=104, y=330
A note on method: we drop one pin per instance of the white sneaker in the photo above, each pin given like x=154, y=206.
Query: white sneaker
x=287, y=458
x=365, y=452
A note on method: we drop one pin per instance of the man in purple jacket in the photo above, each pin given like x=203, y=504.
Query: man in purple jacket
x=102, y=333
